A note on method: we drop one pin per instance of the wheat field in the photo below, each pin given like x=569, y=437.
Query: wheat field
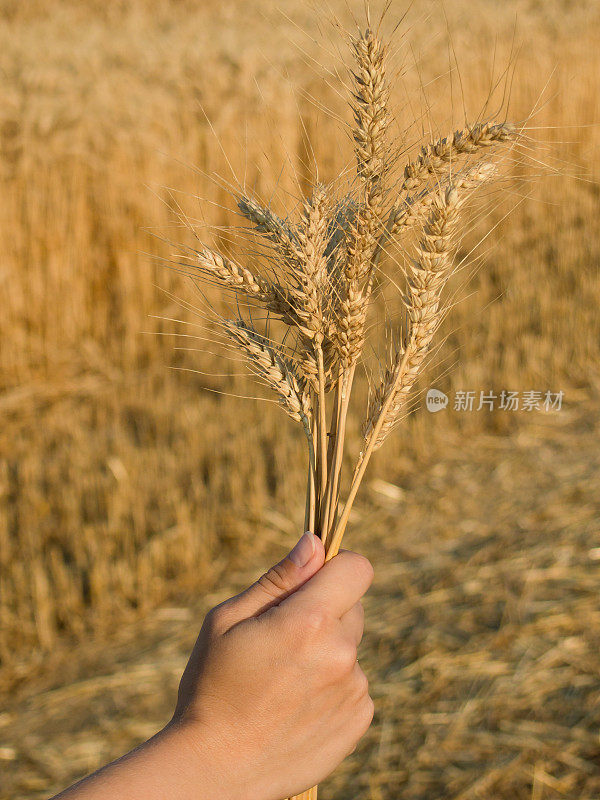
x=132, y=477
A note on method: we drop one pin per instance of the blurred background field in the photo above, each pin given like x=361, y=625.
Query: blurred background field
x=131, y=493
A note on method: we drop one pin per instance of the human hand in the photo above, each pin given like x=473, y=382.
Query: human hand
x=273, y=698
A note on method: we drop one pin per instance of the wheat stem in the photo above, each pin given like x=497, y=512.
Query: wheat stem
x=314, y=497
x=333, y=485
x=322, y=418
x=359, y=471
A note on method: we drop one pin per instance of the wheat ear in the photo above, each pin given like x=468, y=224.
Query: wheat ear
x=413, y=210
x=309, y=292
x=428, y=274
x=308, y=269
x=270, y=366
x=371, y=121
x=266, y=221
x=436, y=156
x=231, y=275
x=433, y=159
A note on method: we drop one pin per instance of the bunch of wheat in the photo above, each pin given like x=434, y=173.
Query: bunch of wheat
x=319, y=286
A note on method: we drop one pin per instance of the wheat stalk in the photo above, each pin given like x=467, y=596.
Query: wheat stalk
x=427, y=277
x=428, y=274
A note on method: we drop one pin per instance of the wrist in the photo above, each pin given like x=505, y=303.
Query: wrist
x=177, y=762
x=202, y=761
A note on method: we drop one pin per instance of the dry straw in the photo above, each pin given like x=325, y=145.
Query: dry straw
x=321, y=276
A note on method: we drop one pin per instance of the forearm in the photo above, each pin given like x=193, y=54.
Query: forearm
x=166, y=767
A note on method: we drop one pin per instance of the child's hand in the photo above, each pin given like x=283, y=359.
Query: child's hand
x=273, y=698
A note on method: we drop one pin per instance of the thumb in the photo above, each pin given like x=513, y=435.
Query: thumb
x=301, y=563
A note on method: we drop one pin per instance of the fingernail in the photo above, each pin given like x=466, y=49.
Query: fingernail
x=303, y=551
